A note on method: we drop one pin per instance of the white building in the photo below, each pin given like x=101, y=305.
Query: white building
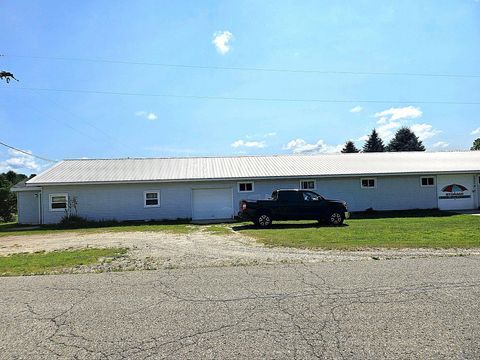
x=211, y=187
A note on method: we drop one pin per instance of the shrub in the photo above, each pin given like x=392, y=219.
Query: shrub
x=72, y=221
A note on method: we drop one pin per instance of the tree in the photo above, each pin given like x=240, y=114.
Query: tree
x=405, y=140
x=476, y=145
x=7, y=76
x=374, y=143
x=8, y=203
x=350, y=148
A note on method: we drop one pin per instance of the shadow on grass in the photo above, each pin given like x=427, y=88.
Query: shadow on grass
x=401, y=214
x=283, y=226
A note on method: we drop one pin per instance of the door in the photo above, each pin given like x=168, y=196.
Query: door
x=289, y=206
x=455, y=192
x=314, y=207
x=28, y=204
x=211, y=204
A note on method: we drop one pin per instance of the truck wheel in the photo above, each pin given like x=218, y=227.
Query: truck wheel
x=264, y=220
x=335, y=219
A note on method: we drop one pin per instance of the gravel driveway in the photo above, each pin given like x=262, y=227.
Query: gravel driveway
x=164, y=250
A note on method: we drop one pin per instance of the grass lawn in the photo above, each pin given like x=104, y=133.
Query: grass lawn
x=429, y=230
x=8, y=229
x=42, y=262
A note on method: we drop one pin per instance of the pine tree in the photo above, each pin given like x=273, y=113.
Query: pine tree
x=350, y=148
x=405, y=140
x=476, y=145
x=374, y=143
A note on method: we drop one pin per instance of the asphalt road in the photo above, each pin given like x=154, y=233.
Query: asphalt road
x=408, y=308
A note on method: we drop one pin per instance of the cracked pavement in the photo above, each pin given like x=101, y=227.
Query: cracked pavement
x=406, y=308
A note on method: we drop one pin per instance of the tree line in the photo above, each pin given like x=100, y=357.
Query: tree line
x=404, y=140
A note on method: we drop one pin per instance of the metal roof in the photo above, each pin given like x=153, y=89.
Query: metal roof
x=22, y=186
x=85, y=171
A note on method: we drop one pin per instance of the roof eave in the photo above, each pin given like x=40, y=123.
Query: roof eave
x=254, y=178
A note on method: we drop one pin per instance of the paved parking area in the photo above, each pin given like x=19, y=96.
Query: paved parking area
x=422, y=308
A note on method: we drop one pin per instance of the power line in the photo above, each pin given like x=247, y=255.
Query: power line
x=37, y=110
x=27, y=153
x=233, y=98
x=257, y=69
x=111, y=137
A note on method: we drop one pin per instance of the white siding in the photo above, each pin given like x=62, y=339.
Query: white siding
x=126, y=202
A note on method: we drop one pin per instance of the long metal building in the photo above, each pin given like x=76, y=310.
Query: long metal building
x=211, y=187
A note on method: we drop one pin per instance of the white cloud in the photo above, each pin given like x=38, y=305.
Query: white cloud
x=441, y=144
x=424, y=131
x=475, y=132
x=386, y=131
x=270, y=134
x=18, y=160
x=266, y=135
x=300, y=146
x=221, y=41
x=146, y=115
x=393, y=114
x=243, y=143
x=356, y=109
x=392, y=119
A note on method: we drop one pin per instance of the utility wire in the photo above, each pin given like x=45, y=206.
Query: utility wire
x=110, y=137
x=233, y=98
x=258, y=69
x=37, y=110
x=27, y=153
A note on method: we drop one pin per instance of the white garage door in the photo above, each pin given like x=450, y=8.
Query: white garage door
x=209, y=204
x=455, y=192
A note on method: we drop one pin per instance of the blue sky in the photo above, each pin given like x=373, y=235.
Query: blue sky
x=434, y=36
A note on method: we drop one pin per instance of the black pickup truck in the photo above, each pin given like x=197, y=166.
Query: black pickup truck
x=293, y=204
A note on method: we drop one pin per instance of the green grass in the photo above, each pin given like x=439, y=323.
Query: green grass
x=8, y=229
x=396, y=230
x=47, y=262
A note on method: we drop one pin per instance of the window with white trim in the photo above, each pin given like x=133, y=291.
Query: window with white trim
x=427, y=181
x=58, y=202
x=151, y=198
x=307, y=184
x=245, y=186
x=368, y=183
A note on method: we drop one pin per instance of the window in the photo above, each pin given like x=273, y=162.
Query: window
x=58, y=202
x=427, y=181
x=307, y=184
x=368, y=183
x=245, y=187
x=151, y=198
x=310, y=196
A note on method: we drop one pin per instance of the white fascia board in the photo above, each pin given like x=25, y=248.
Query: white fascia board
x=303, y=177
